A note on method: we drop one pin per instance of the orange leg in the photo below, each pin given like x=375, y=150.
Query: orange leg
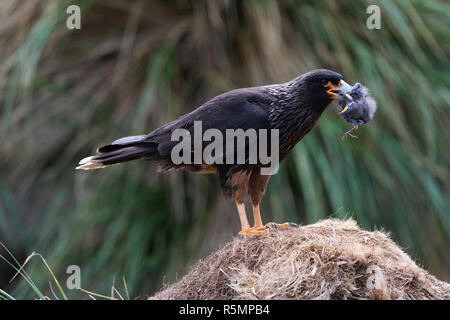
x=271, y=225
x=246, y=230
x=257, y=221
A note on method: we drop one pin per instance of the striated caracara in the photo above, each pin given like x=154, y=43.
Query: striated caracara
x=289, y=109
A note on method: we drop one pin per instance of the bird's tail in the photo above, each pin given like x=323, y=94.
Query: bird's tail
x=122, y=150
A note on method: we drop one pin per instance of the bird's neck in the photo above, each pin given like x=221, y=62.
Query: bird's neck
x=292, y=114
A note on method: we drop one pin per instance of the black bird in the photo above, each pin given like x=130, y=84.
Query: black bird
x=357, y=107
x=293, y=108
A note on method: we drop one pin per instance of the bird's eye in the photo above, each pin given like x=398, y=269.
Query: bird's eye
x=324, y=82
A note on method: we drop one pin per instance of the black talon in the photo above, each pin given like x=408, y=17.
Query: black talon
x=274, y=225
x=293, y=224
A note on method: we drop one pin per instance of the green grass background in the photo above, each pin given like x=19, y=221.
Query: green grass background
x=135, y=65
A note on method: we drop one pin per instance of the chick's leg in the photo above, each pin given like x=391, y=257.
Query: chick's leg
x=348, y=133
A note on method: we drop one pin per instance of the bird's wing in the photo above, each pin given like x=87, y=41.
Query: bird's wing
x=237, y=109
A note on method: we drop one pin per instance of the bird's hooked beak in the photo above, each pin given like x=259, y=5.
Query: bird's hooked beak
x=342, y=87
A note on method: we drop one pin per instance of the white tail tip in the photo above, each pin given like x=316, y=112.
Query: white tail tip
x=88, y=164
x=85, y=160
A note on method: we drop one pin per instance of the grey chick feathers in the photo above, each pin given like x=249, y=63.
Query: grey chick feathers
x=357, y=107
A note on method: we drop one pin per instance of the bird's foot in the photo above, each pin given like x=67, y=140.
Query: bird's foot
x=268, y=227
x=276, y=226
x=253, y=231
x=348, y=134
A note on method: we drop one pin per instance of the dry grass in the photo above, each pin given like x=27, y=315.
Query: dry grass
x=332, y=259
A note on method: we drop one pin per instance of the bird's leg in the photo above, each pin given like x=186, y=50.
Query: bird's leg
x=355, y=127
x=257, y=187
x=272, y=226
x=258, y=226
x=257, y=221
x=242, y=216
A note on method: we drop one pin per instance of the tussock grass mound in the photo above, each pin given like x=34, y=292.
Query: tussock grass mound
x=332, y=259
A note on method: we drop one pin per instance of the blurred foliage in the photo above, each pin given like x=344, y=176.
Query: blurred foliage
x=135, y=65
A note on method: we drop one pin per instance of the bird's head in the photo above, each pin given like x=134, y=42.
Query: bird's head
x=322, y=86
x=357, y=92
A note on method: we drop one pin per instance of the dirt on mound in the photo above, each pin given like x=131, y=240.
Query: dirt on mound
x=332, y=259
